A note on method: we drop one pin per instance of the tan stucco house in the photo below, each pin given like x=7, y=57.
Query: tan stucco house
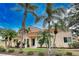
x=62, y=38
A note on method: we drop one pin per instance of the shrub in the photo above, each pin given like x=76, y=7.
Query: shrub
x=2, y=49
x=69, y=53
x=30, y=53
x=11, y=50
x=75, y=44
x=21, y=51
x=58, y=54
x=41, y=54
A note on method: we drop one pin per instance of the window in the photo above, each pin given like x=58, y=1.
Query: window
x=67, y=39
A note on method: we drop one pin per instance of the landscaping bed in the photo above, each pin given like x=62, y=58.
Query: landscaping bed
x=39, y=52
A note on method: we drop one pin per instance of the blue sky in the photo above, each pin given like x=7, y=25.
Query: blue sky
x=12, y=19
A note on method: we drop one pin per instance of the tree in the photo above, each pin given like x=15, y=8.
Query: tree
x=28, y=8
x=8, y=35
x=4, y=35
x=74, y=18
x=43, y=38
x=49, y=11
x=12, y=34
x=60, y=22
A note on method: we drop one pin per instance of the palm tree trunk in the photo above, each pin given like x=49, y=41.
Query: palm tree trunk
x=11, y=43
x=23, y=27
x=41, y=46
x=49, y=47
x=54, y=42
x=8, y=42
x=5, y=43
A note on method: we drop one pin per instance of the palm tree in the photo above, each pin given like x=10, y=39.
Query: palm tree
x=60, y=22
x=55, y=15
x=49, y=10
x=74, y=19
x=8, y=35
x=4, y=34
x=28, y=8
x=12, y=34
x=74, y=14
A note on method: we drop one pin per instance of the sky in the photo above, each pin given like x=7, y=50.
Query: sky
x=12, y=19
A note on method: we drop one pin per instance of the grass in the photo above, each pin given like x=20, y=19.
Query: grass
x=30, y=49
x=75, y=52
x=35, y=49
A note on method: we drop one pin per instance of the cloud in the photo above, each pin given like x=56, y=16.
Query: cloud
x=2, y=27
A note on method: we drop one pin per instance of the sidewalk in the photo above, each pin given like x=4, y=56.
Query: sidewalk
x=5, y=55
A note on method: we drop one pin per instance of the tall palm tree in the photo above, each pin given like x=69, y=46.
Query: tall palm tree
x=28, y=8
x=60, y=22
x=54, y=15
x=47, y=20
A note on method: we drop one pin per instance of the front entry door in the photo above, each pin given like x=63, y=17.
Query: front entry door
x=33, y=42
x=27, y=42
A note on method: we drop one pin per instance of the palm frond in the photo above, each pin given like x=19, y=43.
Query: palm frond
x=49, y=8
x=62, y=26
x=32, y=7
x=22, y=4
x=45, y=22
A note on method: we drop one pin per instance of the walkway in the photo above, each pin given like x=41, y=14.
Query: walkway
x=5, y=55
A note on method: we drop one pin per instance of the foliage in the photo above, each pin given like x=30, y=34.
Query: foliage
x=69, y=53
x=12, y=34
x=41, y=54
x=75, y=45
x=21, y=51
x=2, y=49
x=8, y=34
x=11, y=50
x=43, y=38
x=30, y=53
x=57, y=53
x=74, y=19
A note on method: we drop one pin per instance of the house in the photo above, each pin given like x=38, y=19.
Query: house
x=30, y=39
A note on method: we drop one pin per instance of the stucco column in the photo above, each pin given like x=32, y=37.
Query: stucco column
x=30, y=42
x=36, y=42
x=26, y=43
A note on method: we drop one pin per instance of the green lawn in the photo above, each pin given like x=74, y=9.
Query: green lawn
x=31, y=49
x=62, y=51
x=75, y=52
x=35, y=49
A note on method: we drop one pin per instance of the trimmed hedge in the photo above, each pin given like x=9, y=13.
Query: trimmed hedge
x=69, y=53
x=41, y=54
x=2, y=49
x=30, y=53
x=21, y=51
x=11, y=50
